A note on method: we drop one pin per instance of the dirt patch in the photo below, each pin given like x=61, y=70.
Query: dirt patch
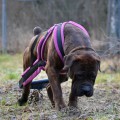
x=104, y=105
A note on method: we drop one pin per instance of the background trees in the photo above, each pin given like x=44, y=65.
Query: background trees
x=22, y=17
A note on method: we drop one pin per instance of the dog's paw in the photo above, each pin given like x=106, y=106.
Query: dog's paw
x=73, y=104
x=60, y=106
x=22, y=102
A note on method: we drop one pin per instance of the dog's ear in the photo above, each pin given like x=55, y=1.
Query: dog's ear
x=68, y=60
x=99, y=66
x=64, y=71
x=98, y=59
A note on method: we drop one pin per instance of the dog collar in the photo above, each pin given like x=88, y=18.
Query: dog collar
x=82, y=48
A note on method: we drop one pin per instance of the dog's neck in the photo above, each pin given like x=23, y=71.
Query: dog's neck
x=75, y=38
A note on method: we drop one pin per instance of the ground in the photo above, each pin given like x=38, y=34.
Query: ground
x=104, y=105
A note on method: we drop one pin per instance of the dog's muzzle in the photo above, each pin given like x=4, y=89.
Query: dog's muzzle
x=84, y=89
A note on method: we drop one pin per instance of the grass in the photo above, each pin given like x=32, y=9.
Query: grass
x=104, y=105
x=10, y=67
x=108, y=78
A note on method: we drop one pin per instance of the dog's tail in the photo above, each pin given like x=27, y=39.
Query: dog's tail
x=37, y=30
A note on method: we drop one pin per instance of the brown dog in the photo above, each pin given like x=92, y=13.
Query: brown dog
x=81, y=64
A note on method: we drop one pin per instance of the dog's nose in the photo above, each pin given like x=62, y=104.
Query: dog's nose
x=86, y=88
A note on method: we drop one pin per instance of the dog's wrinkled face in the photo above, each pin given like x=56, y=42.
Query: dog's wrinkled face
x=82, y=69
x=83, y=76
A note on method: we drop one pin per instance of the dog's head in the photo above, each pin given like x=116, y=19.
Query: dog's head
x=82, y=68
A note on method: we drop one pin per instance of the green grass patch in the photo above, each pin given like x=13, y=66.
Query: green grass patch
x=3, y=102
x=10, y=61
x=11, y=75
x=108, y=78
x=10, y=67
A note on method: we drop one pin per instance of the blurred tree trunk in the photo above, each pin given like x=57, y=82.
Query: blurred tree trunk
x=113, y=23
x=113, y=26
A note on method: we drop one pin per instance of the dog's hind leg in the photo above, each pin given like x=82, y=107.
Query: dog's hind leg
x=25, y=94
x=26, y=89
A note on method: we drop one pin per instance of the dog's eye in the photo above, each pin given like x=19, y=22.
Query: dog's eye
x=92, y=77
x=79, y=76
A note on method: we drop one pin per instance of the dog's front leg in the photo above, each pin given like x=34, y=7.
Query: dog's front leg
x=56, y=88
x=72, y=100
x=50, y=94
